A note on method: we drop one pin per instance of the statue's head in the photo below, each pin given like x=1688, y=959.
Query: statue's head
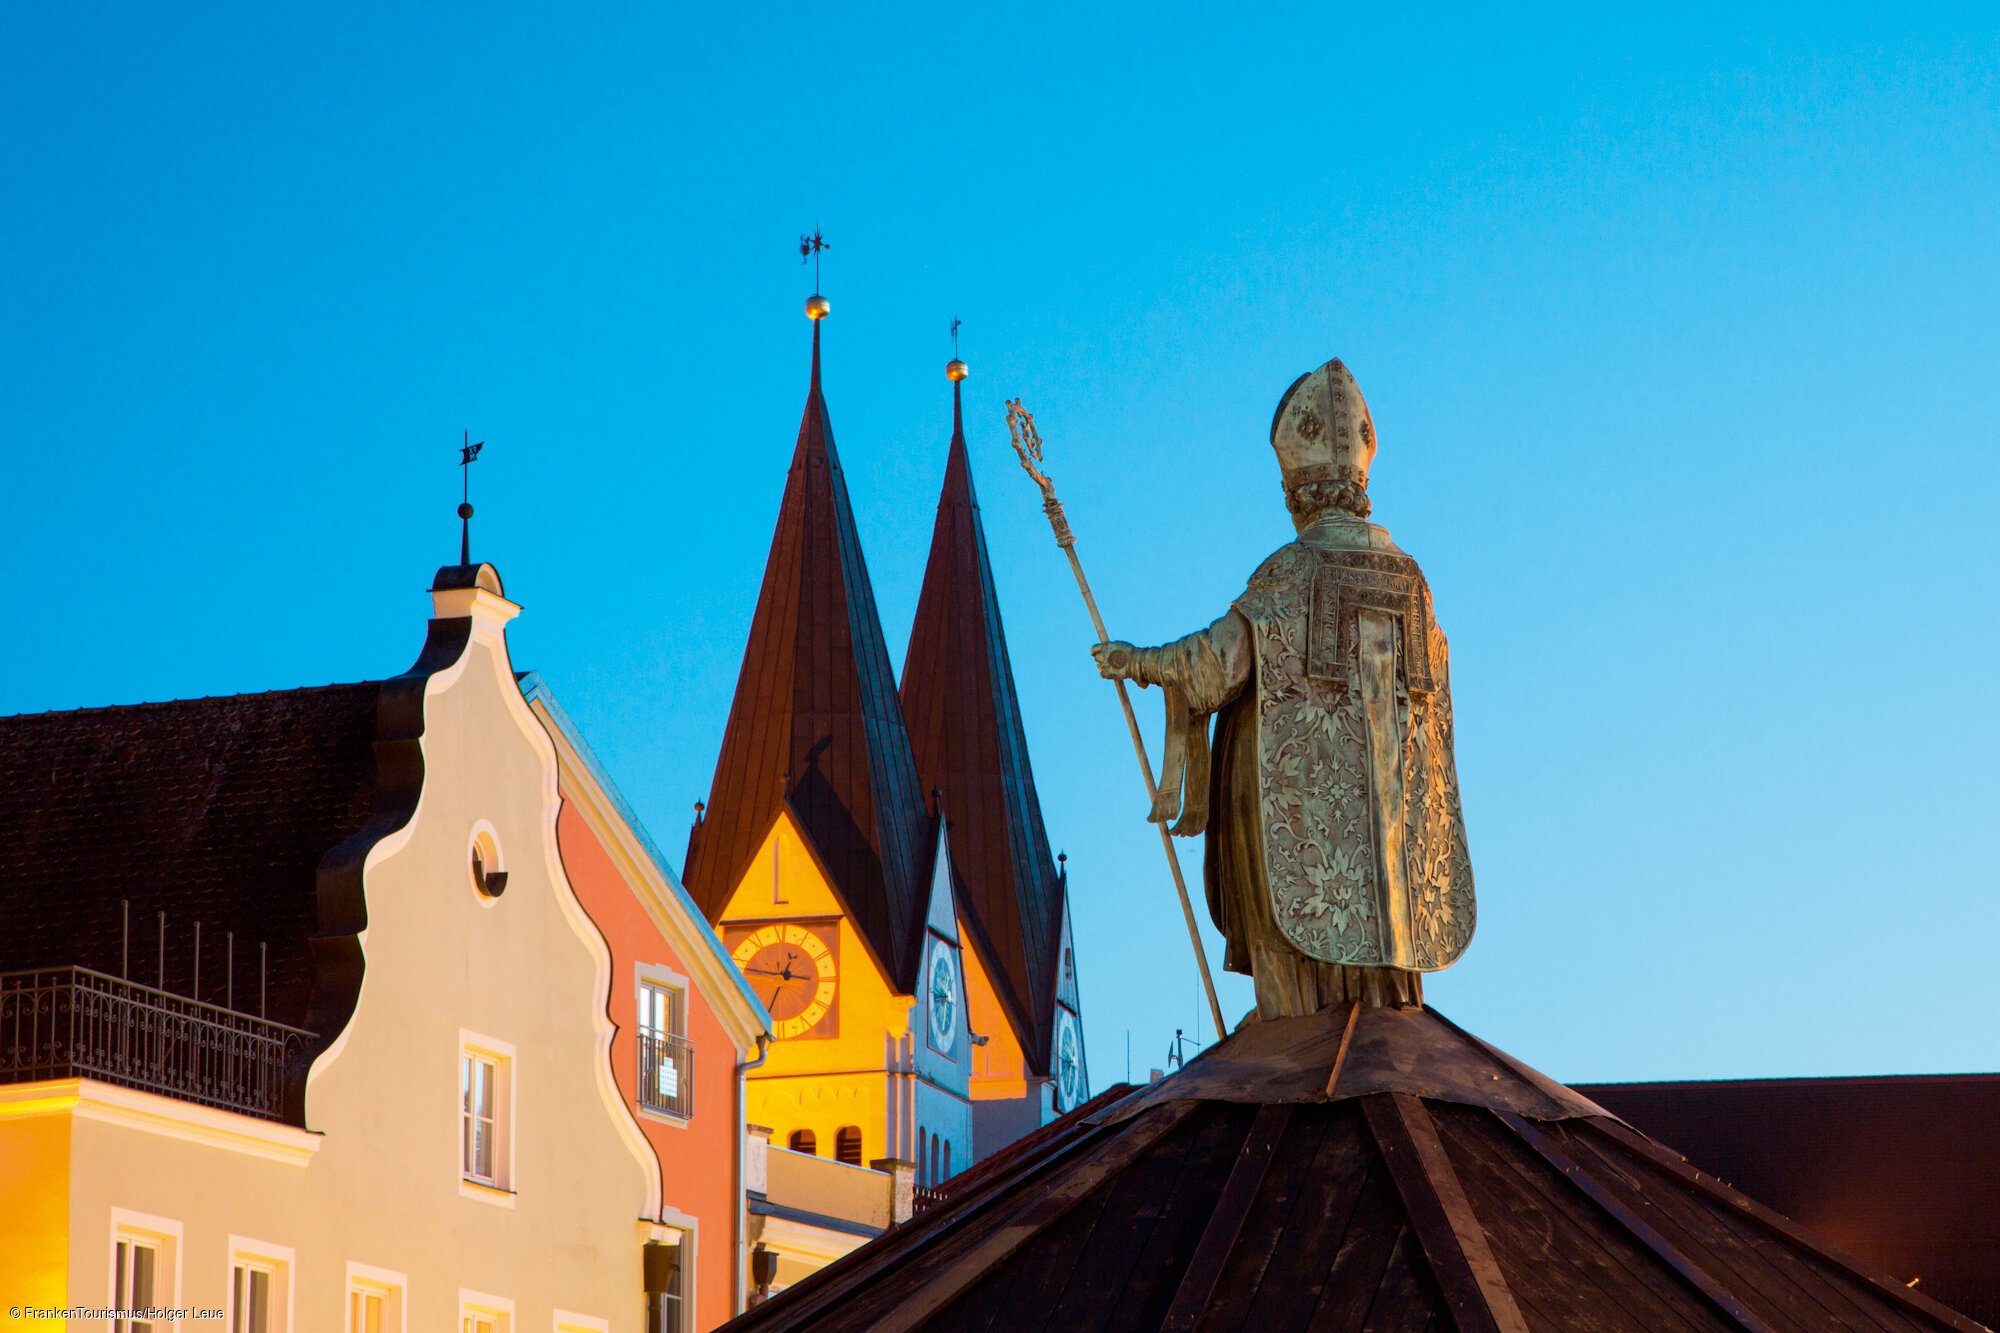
x=1325, y=441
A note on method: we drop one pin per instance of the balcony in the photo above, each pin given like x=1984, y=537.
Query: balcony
x=71, y=1022
x=666, y=1074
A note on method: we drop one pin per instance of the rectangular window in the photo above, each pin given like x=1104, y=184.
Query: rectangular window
x=480, y=1313
x=479, y=1081
x=136, y=1284
x=374, y=1300
x=485, y=1113
x=250, y=1296
x=666, y=1057
x=666, y=1284
x=367, y=1311
x=145, y=1269
x=260, y=1296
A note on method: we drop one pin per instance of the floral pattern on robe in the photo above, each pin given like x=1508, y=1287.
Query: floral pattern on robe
x=1306, y=745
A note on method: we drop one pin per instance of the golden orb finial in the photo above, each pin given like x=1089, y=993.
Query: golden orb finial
x=817, y=306
x=955, y=370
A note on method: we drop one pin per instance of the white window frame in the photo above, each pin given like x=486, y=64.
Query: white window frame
x=684, y=1231
x=391, y=1286
x=660, y=978
x=163, y=1236
x=280, y=1261
x=472, y=1304
x=501, y=1054
x=580, y=1323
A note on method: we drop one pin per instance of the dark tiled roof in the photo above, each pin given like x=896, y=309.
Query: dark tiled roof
x=965, y=724
x=1903, y=1172
x=1032, y=1143
x=816, y=722
x=1440, y=1185
x=215, y=811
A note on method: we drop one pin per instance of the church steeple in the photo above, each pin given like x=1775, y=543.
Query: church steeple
x=816, y=725
x=965, y=724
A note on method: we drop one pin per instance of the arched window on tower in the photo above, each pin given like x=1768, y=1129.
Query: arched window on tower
x=922, y=1140
x=803, y=1140
x=935, y=1177
x=947, y=1163
x=847, y=1145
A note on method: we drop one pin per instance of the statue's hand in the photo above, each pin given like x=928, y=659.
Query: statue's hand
x=1114, y=659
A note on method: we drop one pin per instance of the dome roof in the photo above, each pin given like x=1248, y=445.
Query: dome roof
x=1360, y=1168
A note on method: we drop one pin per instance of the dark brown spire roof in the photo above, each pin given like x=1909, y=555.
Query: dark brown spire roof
x=816, y=722
x=1357, y=1169
x=965, y=723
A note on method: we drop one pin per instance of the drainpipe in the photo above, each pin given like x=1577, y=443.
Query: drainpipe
x=743, y=1068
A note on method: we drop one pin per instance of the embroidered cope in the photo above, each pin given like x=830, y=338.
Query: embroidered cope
x=1336, y=863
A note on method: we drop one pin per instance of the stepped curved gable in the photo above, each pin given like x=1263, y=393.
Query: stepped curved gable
x=816, y=725
x=965, y=724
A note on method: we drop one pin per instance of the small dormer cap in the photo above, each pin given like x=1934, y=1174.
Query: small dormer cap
x=484, y=577
x=472, y=592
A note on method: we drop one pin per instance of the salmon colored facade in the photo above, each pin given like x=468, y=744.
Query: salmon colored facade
x=658, y=939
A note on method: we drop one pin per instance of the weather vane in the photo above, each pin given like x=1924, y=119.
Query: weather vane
x=810, y=247
x=955, y=369
x=817, y=306
x=468, y=454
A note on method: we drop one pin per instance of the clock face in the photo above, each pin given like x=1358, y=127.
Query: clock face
x=793, y=969
x=942, y=998
x=1069, y=1060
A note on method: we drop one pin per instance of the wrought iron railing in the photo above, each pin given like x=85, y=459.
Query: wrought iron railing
x=71, y=1022
x=666, y=1074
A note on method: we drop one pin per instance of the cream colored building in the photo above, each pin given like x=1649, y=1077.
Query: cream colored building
x=431, y=1139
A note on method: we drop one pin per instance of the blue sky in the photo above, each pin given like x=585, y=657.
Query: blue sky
x=1679, y=328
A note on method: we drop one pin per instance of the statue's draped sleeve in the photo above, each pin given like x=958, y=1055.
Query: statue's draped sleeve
x=1200, y=673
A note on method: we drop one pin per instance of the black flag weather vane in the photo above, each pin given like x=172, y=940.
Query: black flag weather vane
x=810, y=248
x=468, y=454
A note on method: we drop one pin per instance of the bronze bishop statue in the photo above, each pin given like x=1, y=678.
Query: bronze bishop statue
x=1336, y=861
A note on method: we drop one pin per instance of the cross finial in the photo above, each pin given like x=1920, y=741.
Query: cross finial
x=954, y=337
x=468, y=454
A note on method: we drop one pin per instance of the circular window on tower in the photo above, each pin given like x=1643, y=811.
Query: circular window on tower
x=489, y=872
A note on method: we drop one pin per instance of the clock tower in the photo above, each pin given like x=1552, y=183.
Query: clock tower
x=1012, y=895
x=821, y=865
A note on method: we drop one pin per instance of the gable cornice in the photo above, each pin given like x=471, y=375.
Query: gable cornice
x=645, y=871
x=338, y=962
